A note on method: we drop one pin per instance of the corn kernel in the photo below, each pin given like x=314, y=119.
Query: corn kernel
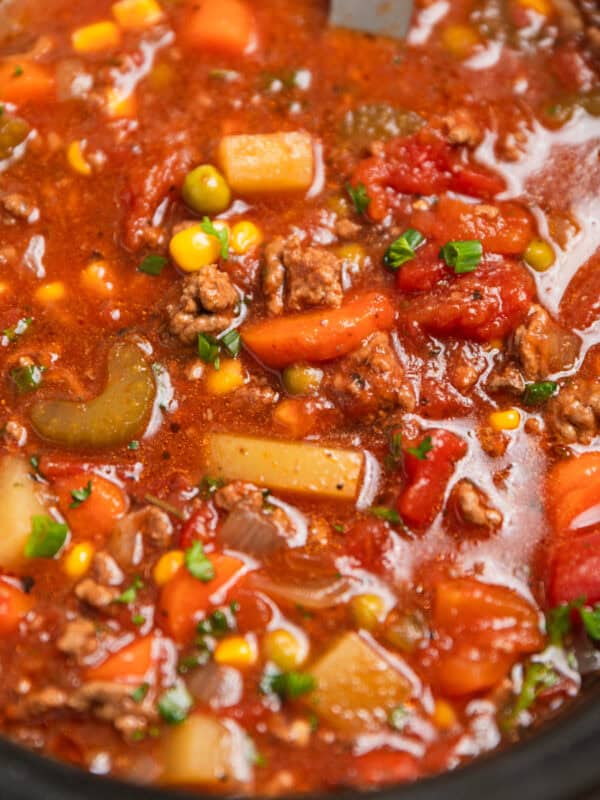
x=508, y=420
x=79, y=559
x=167, y=566
x=353, y=253
x=245, y=236
x=368, y=610
x=542, y=7
x=229, y=377
x=460, y=40
x=97, y=278
x=50, y=292
x=539, y=255
x=192, y=249
x=444, y=715
x=137, y=14
x=120, y=104
x=236, y=651
x=93, y=38
x=284, y=649
x=76, y=158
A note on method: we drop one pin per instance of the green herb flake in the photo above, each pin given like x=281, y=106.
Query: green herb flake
x=216, y=624
x=388, y=514
x=403, y=249
x=537, y=678
x=227, y=75
x=222, y=234
x=18, y=71
x=422, y=449
x=591, y=622
x=12, y=334
x=398, y=717
x=47, y=537
x=198, y=565
x=175, y=704
x=232, y=342
x=130, y=594
x=464, y=256
x=338, y=527
x=80, y=495
x=134, y=445
x=359, y=196
x=536, y=394
x=558, y=624
x=138, y=619
x=208, y=349
x=153, y=265
x=27, y=378
x=208, y=486
x=139, y=694
x=287, y=685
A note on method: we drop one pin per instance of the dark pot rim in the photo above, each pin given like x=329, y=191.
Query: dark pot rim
x=560, y=762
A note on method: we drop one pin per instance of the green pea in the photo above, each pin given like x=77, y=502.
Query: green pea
x=206, y=191
x=301, y=380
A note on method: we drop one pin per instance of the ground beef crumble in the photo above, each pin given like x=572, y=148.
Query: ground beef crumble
x=207, y=304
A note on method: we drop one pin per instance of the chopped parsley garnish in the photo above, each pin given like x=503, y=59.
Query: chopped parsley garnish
x=140, y=693
x=288, y=685
x=232, y=342
x=130, y=594
x=18, y=329
x=536, y=394
x=388, y=514
x=403, y=249
x=153, y=265
x=360, y=198
x=398, y=717
x=174, y=705
x=395, y=453
x=558, y=623
x=338, y=527
x=222, y=234
x=46, y=538
x=209, y=350
x=228, y=75
x=138, y=619
x=591, y=622
x=81, y=495
x=18, y=71
x=422, y=449
x=208, y=486
x=198, y=564
x=27, y=378
x=134, y=445
x=193, y=661
x=218, y=623
x=462, y=256
x=538, y=677
x=35, y=463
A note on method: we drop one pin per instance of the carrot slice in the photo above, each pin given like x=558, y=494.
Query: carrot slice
x=185, y=599
x=132, y=664
x=225, y=25
x=14, y=604
x=573, y=488
x=22, y=80
x=94, y=516
x=470, y=672
x=319, y=335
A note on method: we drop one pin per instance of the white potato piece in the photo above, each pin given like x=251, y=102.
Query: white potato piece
x=356, y=686
x=267, y=163
x=19, y=501
x=286, y=466
x=204, y=750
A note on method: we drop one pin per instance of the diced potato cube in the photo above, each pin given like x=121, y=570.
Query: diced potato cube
x=285, y=466
x=203, y=751
x=96, y=37
x=356, y=686
x=19, y=502
x=267, y=163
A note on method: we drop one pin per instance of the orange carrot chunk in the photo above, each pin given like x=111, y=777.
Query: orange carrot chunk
x=14, y=604
x=224, y=25
x=90, y=503
x=132, y=664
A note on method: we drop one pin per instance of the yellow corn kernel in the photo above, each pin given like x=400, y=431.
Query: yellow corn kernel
x=76, y=158
x=193, y=248
x=79, y=559
x=236, y=651
x=444, y=715
x=508, y=420
x=539, y=255
x=542, y=7
x=137, y=14
x=229, y=377
x=119, y=104
x=368, y=610
x=98, y=36
x=167, y=566
x=284, y=649
x=353, y=253
x=97, y=278
x=50, y=292
x=245, y=236
x=460, y=40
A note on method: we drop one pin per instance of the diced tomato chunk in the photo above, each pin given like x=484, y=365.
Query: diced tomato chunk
x=368, y=541
x=574, y=493
x=421, y=164
x=506, y=228
x=575, y=570
x=427, y=478
x=469, y=671
x=200, y=527
x=424, y=271
x=481, y=305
